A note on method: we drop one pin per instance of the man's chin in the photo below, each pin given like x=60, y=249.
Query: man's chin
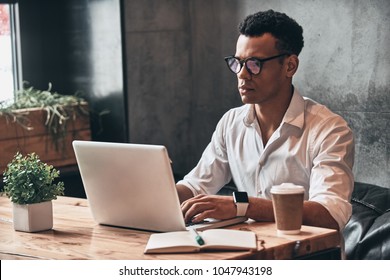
x=246, y=100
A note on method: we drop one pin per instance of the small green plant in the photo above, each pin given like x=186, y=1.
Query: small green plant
x=28, y=180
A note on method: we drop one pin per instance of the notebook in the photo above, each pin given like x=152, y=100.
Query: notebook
x=132, y=186
x=213, y=239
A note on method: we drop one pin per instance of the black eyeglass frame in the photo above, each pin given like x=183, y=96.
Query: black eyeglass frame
x=242, y=62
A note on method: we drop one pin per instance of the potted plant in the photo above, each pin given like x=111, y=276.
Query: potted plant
x=44, y=122
x=29, y=183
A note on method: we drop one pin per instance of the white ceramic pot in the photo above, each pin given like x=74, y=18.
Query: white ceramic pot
x=33, y=217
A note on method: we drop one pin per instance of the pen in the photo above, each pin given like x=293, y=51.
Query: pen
x=198, y=238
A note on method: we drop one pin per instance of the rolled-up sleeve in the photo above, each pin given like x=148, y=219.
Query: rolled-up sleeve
x=331, y=180
x=212, y=171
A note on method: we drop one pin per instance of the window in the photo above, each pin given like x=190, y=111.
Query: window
x=10, y=77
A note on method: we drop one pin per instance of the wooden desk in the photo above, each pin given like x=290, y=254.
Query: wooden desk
x=76, y=235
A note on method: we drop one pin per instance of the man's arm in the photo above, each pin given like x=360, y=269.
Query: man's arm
x=314, y=214
x=184, y=193
x=223, y=207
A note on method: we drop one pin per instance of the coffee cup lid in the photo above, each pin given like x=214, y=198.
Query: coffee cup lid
x=287, y=188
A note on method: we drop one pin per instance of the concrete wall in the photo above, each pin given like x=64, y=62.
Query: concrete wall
x=179, y=87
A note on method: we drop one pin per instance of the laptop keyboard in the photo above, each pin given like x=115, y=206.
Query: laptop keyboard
x=188, y=224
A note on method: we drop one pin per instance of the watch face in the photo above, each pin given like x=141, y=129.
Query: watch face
x=240, y=197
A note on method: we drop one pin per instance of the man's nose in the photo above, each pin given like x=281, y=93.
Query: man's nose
x=244, y=73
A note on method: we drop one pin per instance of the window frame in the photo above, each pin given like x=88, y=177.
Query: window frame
x=15, y=43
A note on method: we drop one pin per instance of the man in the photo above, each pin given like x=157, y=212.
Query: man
x=276, y=137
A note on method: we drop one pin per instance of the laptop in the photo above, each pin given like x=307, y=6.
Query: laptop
x=132, y=186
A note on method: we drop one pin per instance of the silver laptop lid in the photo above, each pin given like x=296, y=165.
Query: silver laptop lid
x=129, y=185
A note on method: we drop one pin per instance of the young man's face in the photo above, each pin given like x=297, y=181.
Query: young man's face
x=271, y=84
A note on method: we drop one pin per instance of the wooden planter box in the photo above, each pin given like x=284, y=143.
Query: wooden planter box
x=14, y=138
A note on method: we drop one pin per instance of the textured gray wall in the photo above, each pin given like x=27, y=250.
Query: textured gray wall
x=179, y=86
x=159, y=75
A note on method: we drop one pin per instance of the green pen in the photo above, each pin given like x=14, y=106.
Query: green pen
x=198, y=238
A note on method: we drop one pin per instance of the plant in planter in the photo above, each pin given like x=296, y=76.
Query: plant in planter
x=45, y=122
x=29, y=183
x=59, y=108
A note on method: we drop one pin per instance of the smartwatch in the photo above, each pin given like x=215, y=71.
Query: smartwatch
x=241, y=200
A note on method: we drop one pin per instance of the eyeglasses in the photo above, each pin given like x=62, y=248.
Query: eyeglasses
x=252, y=64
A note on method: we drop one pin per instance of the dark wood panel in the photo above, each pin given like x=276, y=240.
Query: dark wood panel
x=77, y=46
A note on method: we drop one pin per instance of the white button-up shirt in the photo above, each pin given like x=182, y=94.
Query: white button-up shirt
x=312, y=147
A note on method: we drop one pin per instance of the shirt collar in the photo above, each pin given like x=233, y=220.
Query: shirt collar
x=295, y=111
x=293, y=116
x=250, y=116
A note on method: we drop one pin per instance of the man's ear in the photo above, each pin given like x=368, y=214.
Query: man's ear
x=292, y=65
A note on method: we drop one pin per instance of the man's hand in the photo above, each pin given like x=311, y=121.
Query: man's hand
x=203, y=206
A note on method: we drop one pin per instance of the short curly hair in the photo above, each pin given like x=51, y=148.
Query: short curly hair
x=286, y=30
